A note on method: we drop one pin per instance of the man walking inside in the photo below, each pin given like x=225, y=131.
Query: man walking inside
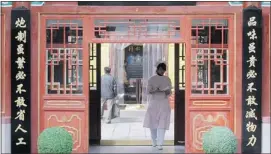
x=108, y=93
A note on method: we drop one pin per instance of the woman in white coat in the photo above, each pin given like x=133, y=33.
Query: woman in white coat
x=157, y=117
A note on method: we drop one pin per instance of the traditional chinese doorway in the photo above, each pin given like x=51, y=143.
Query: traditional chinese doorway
x=132, y=64
x=69, y=88
x=114, y=36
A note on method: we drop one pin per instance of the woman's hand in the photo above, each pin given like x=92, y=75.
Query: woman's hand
x=152, y=91
x=168, y=92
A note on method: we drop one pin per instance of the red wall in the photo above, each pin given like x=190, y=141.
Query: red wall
x=5, y=60
x=213, y=3
x=266, y=66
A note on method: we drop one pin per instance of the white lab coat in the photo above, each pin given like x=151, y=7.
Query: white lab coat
x=158, y=111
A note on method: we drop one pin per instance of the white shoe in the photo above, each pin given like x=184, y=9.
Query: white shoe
x=159, y=147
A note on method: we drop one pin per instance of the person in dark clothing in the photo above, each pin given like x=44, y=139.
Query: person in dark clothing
x=108, y=92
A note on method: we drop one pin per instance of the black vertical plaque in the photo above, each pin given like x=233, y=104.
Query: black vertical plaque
x=20, y=38
x=251, y=126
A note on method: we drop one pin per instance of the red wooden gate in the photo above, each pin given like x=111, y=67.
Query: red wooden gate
x=209, y=77
x=64, y=84
x=209, y=74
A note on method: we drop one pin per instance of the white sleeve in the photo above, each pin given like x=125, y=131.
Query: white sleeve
x=149, y=87
x=170, y=86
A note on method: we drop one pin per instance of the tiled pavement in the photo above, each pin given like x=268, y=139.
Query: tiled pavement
x=129, y=126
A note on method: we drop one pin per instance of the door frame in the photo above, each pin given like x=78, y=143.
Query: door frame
x=179, y=124
x=181, y=18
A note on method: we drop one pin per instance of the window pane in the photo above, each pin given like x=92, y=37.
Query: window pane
x=209, y=55
x=209, y=71
x=136, y=28
x=64, y=57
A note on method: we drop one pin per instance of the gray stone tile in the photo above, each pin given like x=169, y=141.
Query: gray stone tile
x=129, y=130
x=130, y=125
x=121, y=131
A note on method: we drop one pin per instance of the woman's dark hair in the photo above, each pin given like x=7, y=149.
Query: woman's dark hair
x=162, y=65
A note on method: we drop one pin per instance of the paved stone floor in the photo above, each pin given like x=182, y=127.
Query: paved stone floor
x=135, y=149
x=129, y=126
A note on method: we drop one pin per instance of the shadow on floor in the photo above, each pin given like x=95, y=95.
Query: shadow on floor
x=135, y=149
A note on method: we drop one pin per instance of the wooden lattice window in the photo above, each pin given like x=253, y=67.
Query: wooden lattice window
x=181, y=59
x=210, y=56
x=127, y=28
x=64, y=54
x=93, y=65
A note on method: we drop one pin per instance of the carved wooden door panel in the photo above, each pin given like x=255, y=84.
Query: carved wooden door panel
x=209, y=77
x=63, y=83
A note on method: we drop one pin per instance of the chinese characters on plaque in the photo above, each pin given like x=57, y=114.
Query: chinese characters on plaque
x=20, y=81
x=252, y=70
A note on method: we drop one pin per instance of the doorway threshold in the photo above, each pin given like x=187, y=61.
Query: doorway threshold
x=136, y=149
x=132, y=142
